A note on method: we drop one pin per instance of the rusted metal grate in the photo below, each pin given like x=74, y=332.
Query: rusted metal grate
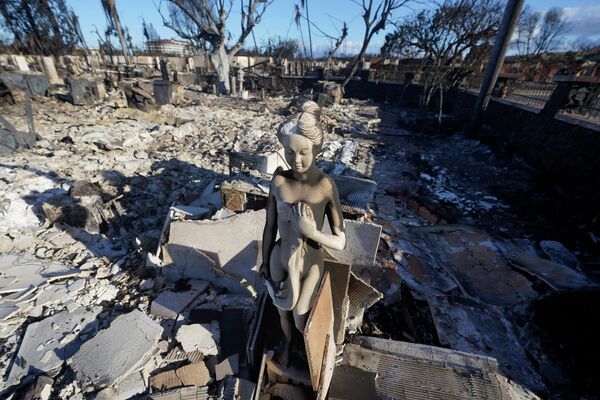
x=355, y=193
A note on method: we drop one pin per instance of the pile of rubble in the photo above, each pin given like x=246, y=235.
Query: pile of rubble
x=129, y=243
x=81, y=209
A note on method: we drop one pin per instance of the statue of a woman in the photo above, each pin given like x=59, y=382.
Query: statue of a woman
x=298, y=202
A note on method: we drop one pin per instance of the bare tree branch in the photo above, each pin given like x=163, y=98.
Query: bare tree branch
x=375, y=21
x=203, y=23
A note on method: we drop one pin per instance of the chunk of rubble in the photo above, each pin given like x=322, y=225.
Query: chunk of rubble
x=85, y=211
x=170, y=304
x=560, y=254
x=227, y=367
x=109, y=356
x=60, y=292
x=42, y=389
x=471, y=257
x=557, y=276
x=188, y=375
x=192, y=392
x=236, y=259
x=478, y=328
x=200, y=337
x=6, y=244
x=132, y=385
x=49, y=342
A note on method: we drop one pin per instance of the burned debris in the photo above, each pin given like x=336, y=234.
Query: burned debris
x=146, y=201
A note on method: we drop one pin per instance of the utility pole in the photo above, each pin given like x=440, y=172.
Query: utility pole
x=507, y=26
x=309, y=30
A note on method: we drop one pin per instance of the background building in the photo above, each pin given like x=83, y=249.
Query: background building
x=168, y=47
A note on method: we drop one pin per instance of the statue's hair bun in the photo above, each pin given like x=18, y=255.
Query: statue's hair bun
x=312, y=108
x=307, y=123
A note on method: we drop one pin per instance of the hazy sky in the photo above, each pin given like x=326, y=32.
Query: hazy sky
x=584, y=16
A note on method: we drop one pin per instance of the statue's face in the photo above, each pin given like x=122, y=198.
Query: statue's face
x=298, y=152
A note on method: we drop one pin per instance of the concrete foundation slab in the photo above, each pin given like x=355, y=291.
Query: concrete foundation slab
x=115, y=351
x=49, y=342
x=473, y=327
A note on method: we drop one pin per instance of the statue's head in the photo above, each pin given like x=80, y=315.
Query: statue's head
x=302, y=137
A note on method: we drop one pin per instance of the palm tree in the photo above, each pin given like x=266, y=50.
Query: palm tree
x=298, y=20
x=112, y=16
x=304, y=4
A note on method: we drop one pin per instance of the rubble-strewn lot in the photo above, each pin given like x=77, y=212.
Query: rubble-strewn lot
x=80, y=211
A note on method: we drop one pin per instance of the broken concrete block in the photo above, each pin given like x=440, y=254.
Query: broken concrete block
x=8, y=143
x=182, y=262
x=170, y=304
x=474, y=261
x=50, y=69
x=99, y=89
x=38, y=84
x=132, y=385
x=42, y=389
x=10, y=140
x=115, y=351
x=557, y=276
x=20, y=271
x=20, y=62
x=560, y=254
x=81, y=91
x=238, y=257
x=6, y=244
x=138, y=98
x=163, y=92
x=49, y=342
x=265, y=162
x=227, y=367
x=199, y=337
x=188, y=375
x=189, y=212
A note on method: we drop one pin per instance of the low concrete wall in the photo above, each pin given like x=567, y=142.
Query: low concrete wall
x=562, y=148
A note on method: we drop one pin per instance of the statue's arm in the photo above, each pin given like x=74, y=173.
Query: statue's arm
x=333, y=209
x=270, y=232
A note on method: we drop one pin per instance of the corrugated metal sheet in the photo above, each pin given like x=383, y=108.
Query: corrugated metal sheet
x=187, y=393
x=361, y=296
x=411, y=371
x=176, y=354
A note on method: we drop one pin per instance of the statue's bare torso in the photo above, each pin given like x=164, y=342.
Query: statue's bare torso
x=295, y=256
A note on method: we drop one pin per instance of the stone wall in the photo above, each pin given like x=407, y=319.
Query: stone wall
x=561, y=147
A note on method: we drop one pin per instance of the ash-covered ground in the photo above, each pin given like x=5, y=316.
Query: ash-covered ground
x=464, y=261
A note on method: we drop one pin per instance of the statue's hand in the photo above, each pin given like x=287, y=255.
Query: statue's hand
x=304, y=219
